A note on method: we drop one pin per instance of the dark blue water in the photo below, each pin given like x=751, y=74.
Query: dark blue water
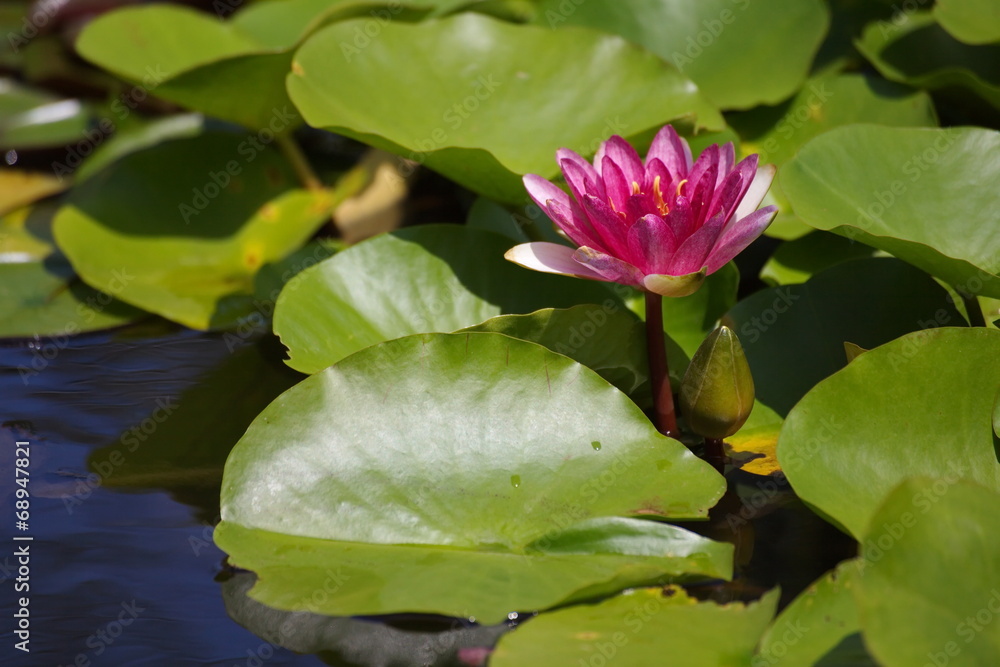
x=122, y=567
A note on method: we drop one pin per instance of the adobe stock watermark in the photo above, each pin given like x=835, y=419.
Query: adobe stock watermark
x=248, y=149
x=130, y=441
x=122, y=107
x=32, y=23
x=257, y=322
x=791, y=633
x=785, y=297
x=902, y=12
x=710, y=31
x=967, y=629
x=106, y=636
x=883, y=198
x=364, y=35
x=876, y=546
x=803, y=113
x=482, y=88
x=44, y=353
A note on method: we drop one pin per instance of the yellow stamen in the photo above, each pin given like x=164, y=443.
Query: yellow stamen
x=635, y=188
x=681, y=185
x=611, y=203
x=658, y=197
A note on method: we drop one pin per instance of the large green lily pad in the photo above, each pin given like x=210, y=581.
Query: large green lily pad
x=196, y=60
x=500, y=102
x=919, y=405
x=923, y=195
x=182, y=229
x=643, y=627
x=482, y=584
x=490, y=457
x=919, y=52
x=930, y=587
x=715, y=42
x=777, y=133
x=794, y=335
x=416, y=280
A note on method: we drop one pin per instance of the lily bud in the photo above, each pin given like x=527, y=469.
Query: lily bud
x=717, y=390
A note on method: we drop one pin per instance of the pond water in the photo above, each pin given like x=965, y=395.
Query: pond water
x=128, y=434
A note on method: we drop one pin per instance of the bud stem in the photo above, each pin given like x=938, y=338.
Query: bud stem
x=715, y=454
x=659, y=375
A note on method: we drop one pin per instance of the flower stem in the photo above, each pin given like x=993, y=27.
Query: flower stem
x=659, y=375
x=715, y=454
x=303, y=170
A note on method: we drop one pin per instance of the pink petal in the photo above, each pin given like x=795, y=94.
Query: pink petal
x=624, y=155
x=652, y=244
x=614, y=184
x=739, y=235
x=680, y=219
x=692, y=255
x=727, y=196
x=708, y=158
x=610, y=268
x=672, y=151
x=542, y=191
x=574, y=223
x=727, y=158
x=755, y=193
x=703, y=192
x=550, y=258
x=608, y=225
x=576, y=179
x=747, y=168
x=656, y=168
x=584, y=177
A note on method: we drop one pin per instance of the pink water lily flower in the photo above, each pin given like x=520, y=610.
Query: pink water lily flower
x=661, y=225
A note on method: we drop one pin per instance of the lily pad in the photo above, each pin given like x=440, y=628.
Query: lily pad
x=923, y=195
x=484, y=462
x=641, y=627
x=810, y=629
x=843, y=451
x=794, y=335
x=40, y=294
x=485, y=585
x=930, y=588
x=31, y=118
x=198, y=61
x=777, y=133
x=183, y=228
x=20, y=188
x=715, y=42
x=920, y=53
x=416, y=280
x=478, y=120
x=971, y=21
x=45, y=298
x=608, y=339
x=798, y=260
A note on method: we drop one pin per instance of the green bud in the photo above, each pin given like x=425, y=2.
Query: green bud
x=717, y=389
